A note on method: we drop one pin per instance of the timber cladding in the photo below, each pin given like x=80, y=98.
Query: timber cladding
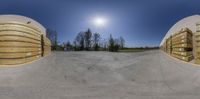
x=21, y=43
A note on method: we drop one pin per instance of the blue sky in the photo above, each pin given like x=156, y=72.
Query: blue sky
x=140, y=22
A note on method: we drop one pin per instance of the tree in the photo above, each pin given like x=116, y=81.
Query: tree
x=86, y=40
x=87, y=37
x=67, y=46
x=80, y=40
x=105, y=44
x=96, y=39
x=111, y=44
x=75, y=46
x=122, y=42
x=116, y=45
x=52, y=35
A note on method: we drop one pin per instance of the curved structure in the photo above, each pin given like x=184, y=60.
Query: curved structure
x=189, y=22
x=22, y=40
x=182, y=41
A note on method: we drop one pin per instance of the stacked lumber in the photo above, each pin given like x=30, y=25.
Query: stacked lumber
x=165, y=47
x=169, y=45
x=162, y=48
x=182, y=45
x=19, y=44
x=47, y=46
x=197, y=44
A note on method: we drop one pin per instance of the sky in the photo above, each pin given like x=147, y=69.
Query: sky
x=140, y=22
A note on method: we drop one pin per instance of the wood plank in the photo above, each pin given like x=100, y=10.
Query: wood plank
x=197, y=38
x=179, y=39
x=197, y=61
x=18, y=28
x=17, y=33
x=19, y=44
x=48, y=47
x=187, y=59
x=184, y=45
x=19, y=55
x=181, y=49
x=23, y=24
x=17, y=38
x=182, y=36
x=18, y=61
x=46, y=53
x=182, y=33
x=197, y=49
x=47, y=41
x=197, y=54
x=183, y=53
x=18, y=49
x=181, y=42
x=47, y=44
x=197, y=44
x=197, y=34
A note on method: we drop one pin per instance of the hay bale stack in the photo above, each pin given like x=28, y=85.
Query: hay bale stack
x=197, y=44
x=182, y=45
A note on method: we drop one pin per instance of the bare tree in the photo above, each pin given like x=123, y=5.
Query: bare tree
x=75, y=45
x=96, y=39
x=86, y=40
x=68, y=46
x=88, y=36
x=116, y=45
x=80, y=40
x=52, y=35
x=105, y=44
x=122, y=42
x=111, y=44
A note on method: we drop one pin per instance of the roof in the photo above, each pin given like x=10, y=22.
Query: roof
x=188, y=22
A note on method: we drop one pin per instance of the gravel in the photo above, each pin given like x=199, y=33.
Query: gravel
x=102, y=75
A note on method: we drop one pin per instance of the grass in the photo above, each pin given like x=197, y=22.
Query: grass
x=130, y=50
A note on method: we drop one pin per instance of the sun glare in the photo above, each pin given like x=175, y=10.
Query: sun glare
x=99, y=21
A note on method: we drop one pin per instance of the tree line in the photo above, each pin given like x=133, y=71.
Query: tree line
x=87, y=41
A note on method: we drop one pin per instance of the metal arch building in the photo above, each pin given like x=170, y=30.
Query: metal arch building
x=22, y=40
x=189, y=22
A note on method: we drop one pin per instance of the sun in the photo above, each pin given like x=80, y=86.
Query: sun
x=100, y=21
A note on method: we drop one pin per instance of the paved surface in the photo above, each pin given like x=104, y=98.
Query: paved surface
x=102, y=75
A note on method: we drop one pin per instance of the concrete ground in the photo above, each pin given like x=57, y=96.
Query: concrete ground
x=102, y=75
